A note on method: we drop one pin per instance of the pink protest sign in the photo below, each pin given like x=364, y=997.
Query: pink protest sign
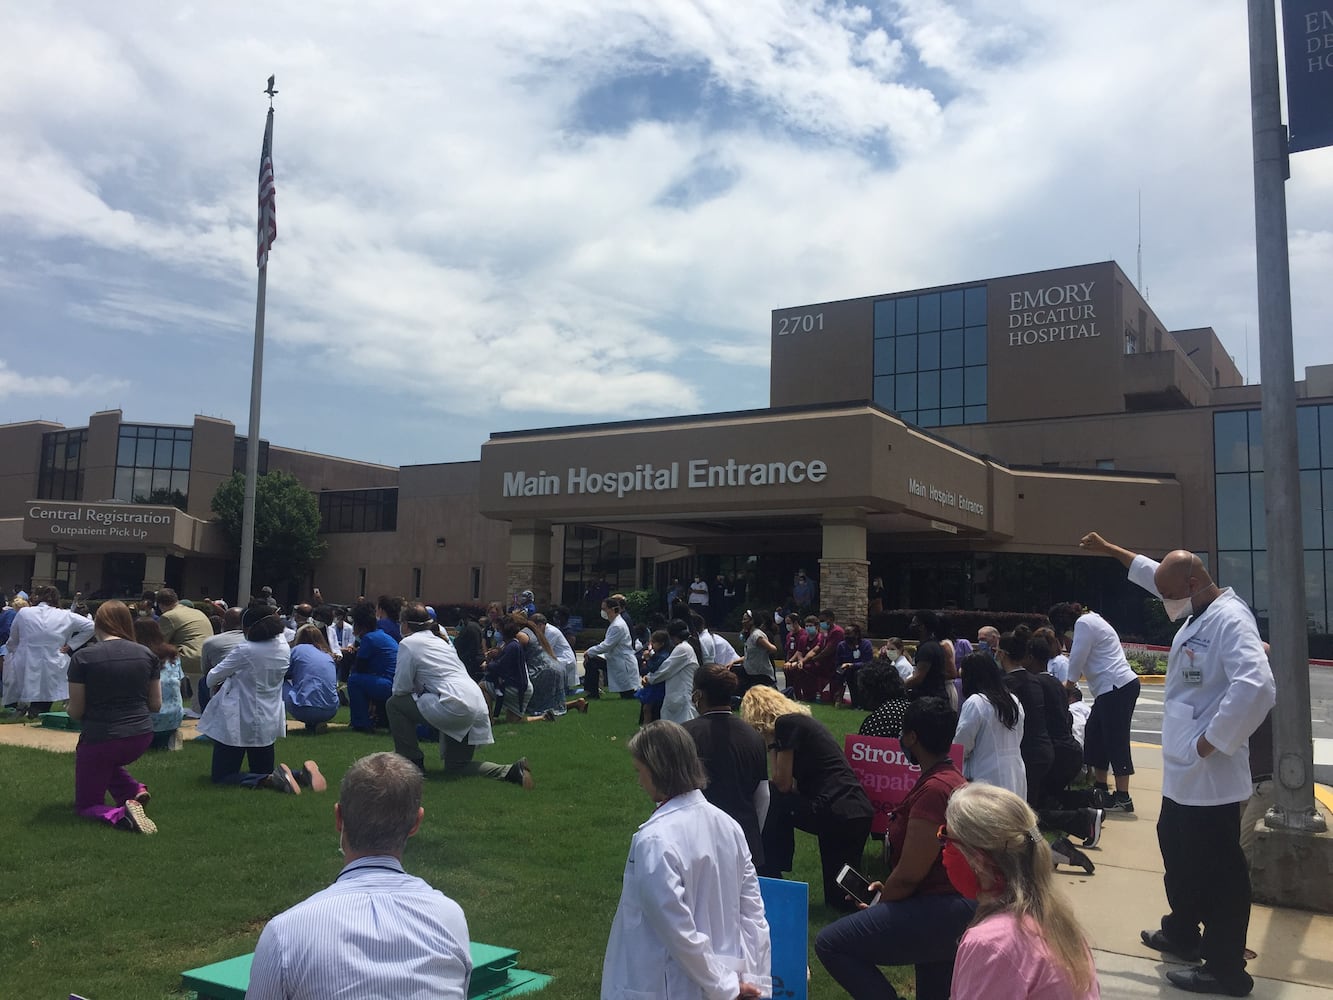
x=885, y=773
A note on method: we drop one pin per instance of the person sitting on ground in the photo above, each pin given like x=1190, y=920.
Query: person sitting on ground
x=431, y=687
x=371, y=679
x=931, y=673
x=677, y=673
x=410, y=939
x=920, y=915
x=167, y=718
x=113, y=689
x=990, y=727
x=651, y=696
x=797, y=670
x=560, y=647
x=812, y=788
x=545, y=674
x=690, y=924
x=733, y=754
x=894, y=651
x=852, y=654
x=506, y=682
x=245, y=717
x=883, y=693
x=755, y=666
x=795, y=641
x=310, y=690
x=1024, y=943
x=187, y=629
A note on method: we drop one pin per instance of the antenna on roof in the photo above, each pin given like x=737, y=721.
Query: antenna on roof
x=1138, y=280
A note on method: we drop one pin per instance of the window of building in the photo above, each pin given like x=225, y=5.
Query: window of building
x=153, y=464
x=474, y=581
x=358, y=510
x=597, y=562
x=1241, y=527
x=1106, y=463
x=930, y=356
x=1131, y=341
x=416, y=581
x=361, y=582
x=238, y=455
x=61, y=473
x=65, y=569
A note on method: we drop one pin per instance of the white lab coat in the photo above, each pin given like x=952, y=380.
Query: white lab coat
x=336, y=641
x=35, y=668
x=1058, y=667
x=1096, y=653
x=431, y=672
x=690, y=918
x=1218, y=685
x=677, y=672
x=248, y=711
x=991, y=751
x=622, y=667
x=564, y=655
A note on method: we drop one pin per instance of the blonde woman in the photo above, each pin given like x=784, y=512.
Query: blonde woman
x=813, y=788
x=1024, y=943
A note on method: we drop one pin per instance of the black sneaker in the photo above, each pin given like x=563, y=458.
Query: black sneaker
x=1095, y=818
x=519, y=774
x=1066, y=853
x=282, y=780
x=1158, y=941
x=1119, y=802
x=1202, y=980
x=309, y=777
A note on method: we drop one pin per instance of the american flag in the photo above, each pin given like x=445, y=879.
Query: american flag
x=268, y=209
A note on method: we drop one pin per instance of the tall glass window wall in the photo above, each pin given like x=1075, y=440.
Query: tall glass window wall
x=153, y=464
x=930, y=356
x=1242, y=545
x=343, y=511
x=61, y=474
x=598, y=563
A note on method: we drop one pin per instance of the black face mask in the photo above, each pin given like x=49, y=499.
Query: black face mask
x=911, y=757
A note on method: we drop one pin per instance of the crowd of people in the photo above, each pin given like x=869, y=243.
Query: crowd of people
x=730, y=754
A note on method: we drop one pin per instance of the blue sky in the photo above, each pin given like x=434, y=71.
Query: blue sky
x=521, y=214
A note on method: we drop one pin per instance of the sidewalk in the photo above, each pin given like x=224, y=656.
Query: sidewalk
x=1125, y=896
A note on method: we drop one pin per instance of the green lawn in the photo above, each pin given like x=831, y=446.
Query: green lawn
x=91, y=910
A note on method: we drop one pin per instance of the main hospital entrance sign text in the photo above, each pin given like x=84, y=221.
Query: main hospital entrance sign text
x=699, y=473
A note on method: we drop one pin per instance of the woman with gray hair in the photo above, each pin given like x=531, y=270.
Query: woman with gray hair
x=690, y=922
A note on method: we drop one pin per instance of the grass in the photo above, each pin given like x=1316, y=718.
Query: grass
x=107, y=914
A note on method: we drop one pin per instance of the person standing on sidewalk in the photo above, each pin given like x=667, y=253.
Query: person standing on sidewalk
x=1219, y=688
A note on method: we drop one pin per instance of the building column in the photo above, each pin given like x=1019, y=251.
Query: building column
x=844, y=570
x=43, y=568
x=530, y=561
x=154, y=570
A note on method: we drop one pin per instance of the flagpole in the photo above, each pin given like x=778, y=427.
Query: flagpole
x=244, y=589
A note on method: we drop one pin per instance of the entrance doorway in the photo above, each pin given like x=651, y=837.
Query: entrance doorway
x=122, y=574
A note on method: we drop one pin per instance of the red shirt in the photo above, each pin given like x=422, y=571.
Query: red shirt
x=927, y=801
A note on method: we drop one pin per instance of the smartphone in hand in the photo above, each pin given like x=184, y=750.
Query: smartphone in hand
x=856, y=886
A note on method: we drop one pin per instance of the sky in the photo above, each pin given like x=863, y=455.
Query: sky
x=530, y=213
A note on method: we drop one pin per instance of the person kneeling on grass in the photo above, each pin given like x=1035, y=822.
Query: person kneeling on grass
x=167, y=719
x=113, y=686
x=432, y=687
x=310, y=692
x=376, y=931
x=245, y=716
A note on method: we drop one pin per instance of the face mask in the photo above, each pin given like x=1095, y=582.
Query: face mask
x=605, y=616
x=1178, y=608
x=960, y=873
x=983, y=647
x=823, y=626
x=810, y=631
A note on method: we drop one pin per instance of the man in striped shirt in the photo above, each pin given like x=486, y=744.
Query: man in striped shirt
x=377, y=931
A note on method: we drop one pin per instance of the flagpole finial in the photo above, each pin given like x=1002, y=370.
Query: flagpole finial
x=271, y=91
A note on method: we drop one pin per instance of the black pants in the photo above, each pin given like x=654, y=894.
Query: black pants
x=593, y=668
x=1207, y=881
x=1106, y=737
x=841, y=842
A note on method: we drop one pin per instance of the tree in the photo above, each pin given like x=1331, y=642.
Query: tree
x=287, y=539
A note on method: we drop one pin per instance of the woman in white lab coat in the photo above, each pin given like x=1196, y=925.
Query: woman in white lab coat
x=246, y=715
x=677, y=673
x=622, y=666
x=990, y=727
x=41, y=638
x=691, y=921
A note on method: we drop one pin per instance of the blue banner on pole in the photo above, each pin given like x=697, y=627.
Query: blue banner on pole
x=1307, y=28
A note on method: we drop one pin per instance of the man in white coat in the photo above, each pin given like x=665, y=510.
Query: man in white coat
x=41, y=638
x=690, y=925
x=1219, y=688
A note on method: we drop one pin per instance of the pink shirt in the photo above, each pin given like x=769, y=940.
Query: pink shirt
x=999, y=962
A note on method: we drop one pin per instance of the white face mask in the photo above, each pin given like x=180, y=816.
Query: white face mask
x=1178, y=608
x=605, y=616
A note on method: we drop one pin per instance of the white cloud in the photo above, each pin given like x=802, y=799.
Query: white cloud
x=13, y=383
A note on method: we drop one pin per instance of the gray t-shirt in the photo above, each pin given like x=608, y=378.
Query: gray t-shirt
x=115, y=674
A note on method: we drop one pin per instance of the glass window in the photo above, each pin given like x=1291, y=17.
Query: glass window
x=145, y=452
x=928, y=389
x=884, y=391
x=1230, y=450
x=951, y=415
x=951, y=387
x=884, y=318
x=908, y=415
x=125, y=450
x=60, y=473
x=884, y=352
x=1234, y=571
x=928, y=352
x=928, y=418
x=1327, y=476
x=1326, y=437
x=1312, y=511
x=1260, y=562
x=951, y=349
x=951, y=310
x=1307, y=436
x=928, y=312
x=358, y=510
x=974, y=385
x=1258, y=524
x=906, y=318
x=1256, y=421
x=975, y=308
x=182, y=455
x=163, y=453
x=974, y=415
x=974, y=345
x=1314, y=590
x=905, y=391
x=906, y=354
x=124, y=485
x=1233, y=511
